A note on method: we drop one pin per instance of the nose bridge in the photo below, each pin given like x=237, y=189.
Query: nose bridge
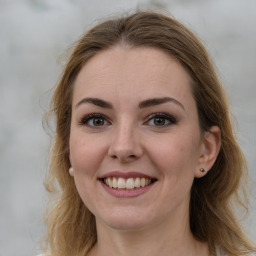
x=125, y=142
x=124, y=135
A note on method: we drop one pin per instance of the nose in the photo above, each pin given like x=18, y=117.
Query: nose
x=125, y=144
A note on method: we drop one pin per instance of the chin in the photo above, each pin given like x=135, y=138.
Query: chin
x=126, y=221
x=125, y=225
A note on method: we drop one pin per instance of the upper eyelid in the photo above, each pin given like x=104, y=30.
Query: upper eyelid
x=171, y=118
x=162, y=114
x=93, y=115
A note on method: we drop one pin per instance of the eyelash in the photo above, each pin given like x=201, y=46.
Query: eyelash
x=171, y=119
x=92, y=117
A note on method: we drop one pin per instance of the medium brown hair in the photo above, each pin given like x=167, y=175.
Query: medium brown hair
x=71, y=226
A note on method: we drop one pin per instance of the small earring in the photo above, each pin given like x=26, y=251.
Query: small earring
x=202, y=170
x=71, y=171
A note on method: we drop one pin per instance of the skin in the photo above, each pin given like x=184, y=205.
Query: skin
x=128, y=138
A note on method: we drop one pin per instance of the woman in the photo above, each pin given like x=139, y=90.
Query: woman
x=144, y=157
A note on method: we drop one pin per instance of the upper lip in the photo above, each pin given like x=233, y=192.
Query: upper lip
x=126, y=175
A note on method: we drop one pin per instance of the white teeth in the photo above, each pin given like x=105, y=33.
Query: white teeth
x=114, y=183
x=109, y=182
x=130, y=183
x=143, y=182
x=137, y=182
x=121, y=183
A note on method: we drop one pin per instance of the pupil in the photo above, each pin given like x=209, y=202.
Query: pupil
x=98, y=121
x=159, y=121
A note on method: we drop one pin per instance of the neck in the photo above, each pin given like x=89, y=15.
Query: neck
x=162, y=239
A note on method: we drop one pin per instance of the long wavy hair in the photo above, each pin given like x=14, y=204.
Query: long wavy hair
x=71, y=226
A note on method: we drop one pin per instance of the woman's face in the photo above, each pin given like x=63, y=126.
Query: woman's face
x=135, y=142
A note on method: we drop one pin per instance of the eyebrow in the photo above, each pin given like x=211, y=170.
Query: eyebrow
x=158, y=101
x=144, y=104
x=95, y=101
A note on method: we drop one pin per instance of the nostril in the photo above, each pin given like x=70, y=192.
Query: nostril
x=124, y=158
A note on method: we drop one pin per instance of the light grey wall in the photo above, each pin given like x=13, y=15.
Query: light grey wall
x=33, y=37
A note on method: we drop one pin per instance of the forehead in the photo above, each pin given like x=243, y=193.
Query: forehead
x=124, y=72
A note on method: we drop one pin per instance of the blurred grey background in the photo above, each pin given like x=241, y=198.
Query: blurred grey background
x=34, y=36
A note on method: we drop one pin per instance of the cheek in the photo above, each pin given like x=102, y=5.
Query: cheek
x=85, y=154
x=176, y=154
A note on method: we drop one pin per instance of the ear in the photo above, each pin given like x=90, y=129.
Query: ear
x=210, y=147
x=71, y=170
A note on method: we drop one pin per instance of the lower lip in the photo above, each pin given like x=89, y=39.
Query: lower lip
x=126, y=193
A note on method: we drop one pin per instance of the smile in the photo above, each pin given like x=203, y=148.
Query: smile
x=127, y=183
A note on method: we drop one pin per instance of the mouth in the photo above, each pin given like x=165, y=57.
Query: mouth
x=130, y=183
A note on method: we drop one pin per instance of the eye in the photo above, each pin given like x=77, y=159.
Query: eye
x=161, y=120
x=95, y=120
